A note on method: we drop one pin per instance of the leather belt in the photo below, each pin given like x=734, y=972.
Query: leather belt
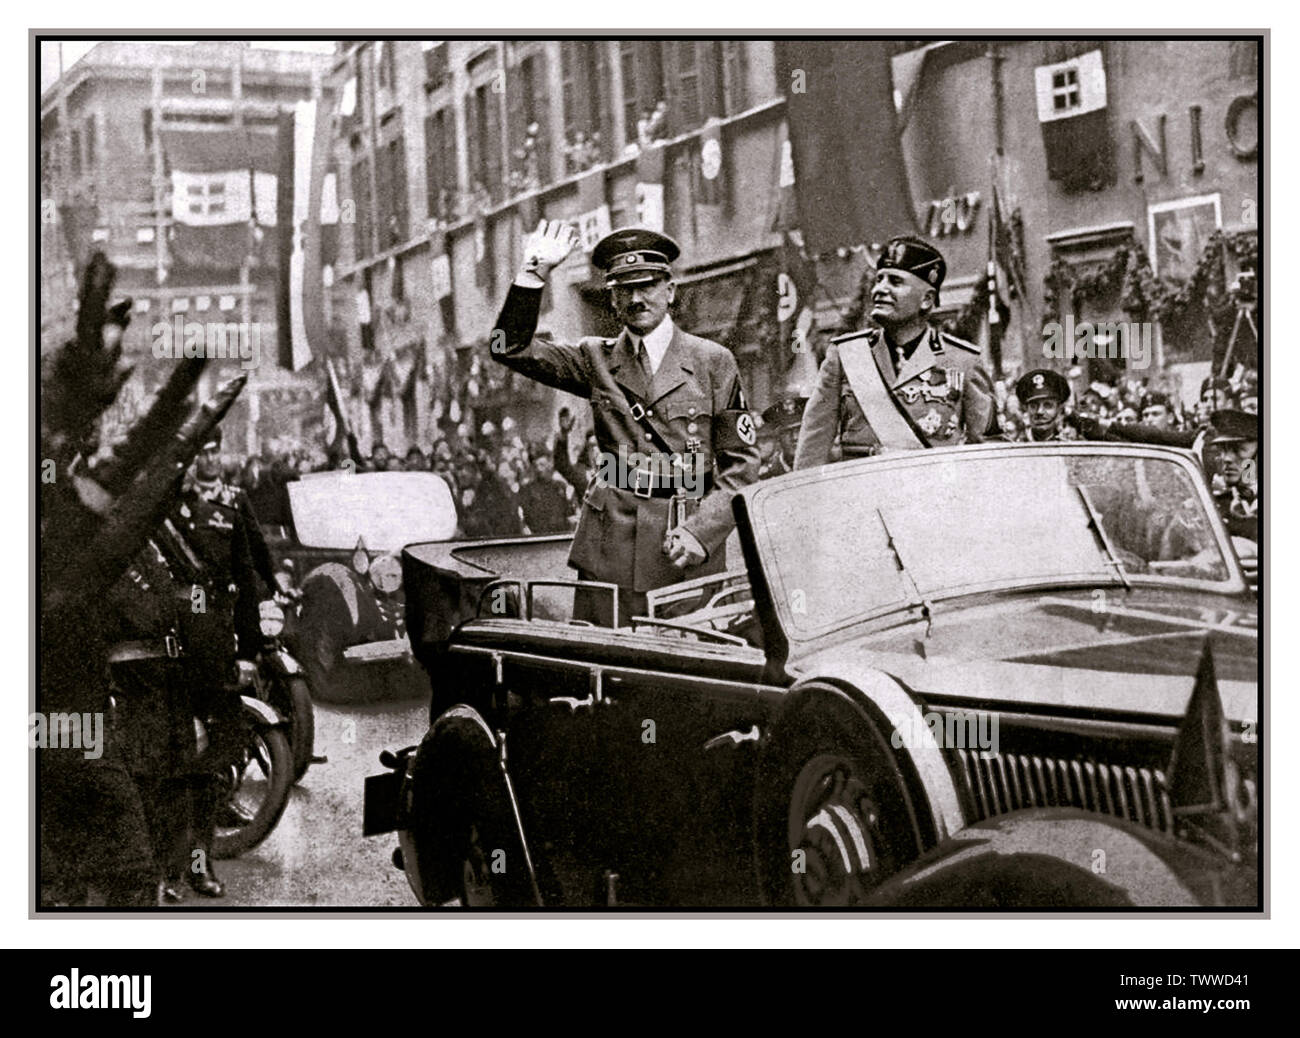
x=646, y=484
x=167, y=647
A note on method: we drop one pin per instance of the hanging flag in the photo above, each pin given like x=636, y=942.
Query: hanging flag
x=852, y=183
x=650, y=189
x=223, y=185
x=1072, y=114
x=712, y=186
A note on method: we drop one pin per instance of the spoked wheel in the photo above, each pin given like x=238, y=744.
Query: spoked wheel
x=260, y=785
x=834, y=825
x=836, y=818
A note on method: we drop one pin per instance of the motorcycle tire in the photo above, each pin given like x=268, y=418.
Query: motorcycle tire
x=231, y=843
x=292, y=698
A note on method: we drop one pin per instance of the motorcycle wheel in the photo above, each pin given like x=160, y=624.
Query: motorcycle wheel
x=292, y=698
x=262, y=788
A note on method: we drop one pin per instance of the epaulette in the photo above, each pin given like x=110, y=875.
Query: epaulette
x=860, y=333
x=952, y=340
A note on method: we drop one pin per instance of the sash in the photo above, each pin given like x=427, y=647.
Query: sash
x=892, y=425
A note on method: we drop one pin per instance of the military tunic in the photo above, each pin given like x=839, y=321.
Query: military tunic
x=941, y=389
x=694, y=405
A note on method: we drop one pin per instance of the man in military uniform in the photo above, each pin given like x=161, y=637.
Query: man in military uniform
x=1231, y=455
x=218, y=524
x=1043, y=395
x=901, y=385
x=781, y=423
x=676, y=440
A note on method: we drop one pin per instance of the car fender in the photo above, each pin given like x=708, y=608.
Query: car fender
x=334, y=591
x=1065, y=858
x=888, y=699
x=454, y=778
x=265, y=713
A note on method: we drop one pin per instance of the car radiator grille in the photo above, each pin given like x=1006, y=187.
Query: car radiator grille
x=1009, y=781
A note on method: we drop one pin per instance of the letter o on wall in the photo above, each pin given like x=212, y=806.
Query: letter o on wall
x=1242, y=124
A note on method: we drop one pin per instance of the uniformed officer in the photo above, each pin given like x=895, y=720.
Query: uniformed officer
x=218, y=523
x=1231, y=452
x=901, y=385
x=1043, y=394
x=675, y=438
x=782, y=419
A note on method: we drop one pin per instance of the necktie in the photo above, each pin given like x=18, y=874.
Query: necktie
x=643, y=358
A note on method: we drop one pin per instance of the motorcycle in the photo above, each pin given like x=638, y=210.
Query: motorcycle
x=281, y=682
x=261, y=776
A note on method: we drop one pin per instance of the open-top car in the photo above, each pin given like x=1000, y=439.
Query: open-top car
x=956, y=676
x=342, y=540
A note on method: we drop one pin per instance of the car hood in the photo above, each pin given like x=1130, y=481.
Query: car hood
x=1067, y=651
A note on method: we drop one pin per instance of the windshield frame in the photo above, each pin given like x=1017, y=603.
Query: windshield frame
x=761, y=542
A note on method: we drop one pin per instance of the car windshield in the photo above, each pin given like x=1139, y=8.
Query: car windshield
x=387, y=510
x=855, y=540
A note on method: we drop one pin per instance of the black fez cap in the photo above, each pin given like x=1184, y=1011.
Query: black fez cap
x=634, y=255
x=1042, y=382
x=1218, y=383
x=785, y=413
x=1156, y=398
x=213, y=440
x=916, y=256
x=1233, y=426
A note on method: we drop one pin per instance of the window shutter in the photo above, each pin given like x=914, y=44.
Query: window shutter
x=541, y=115
x=516, y=126
x=435, y=66
x=361, y=200
x=492, y=143
x=687, y=81
x=708, y=63
x=735, y=72
x=432, y=164
x=627, y=56
x=603, y=114
x=397, y=179
x=384, y=187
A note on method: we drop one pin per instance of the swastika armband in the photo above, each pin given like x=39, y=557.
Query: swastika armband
x=734, y=430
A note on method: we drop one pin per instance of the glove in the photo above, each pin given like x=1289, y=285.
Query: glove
x=544, y=250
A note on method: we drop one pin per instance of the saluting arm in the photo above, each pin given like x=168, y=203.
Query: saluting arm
x=821, y=416
x=513, y=341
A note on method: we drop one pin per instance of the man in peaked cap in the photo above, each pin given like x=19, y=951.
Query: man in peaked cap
x=1043, y=394
x=217, y=522
x=1231, y=456
x=781, y=423
x=675, y=436
x=903, y=384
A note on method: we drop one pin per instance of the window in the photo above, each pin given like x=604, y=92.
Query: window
x=440, y=164
x=693, y=69
x=90, y=143
x=584, y=96
x=735, y=75
x=485, y=142
x=392, y=193
x=1065, y=89
x=529, y=136
x=361, y=195
x=436, y=69
x=644, y=101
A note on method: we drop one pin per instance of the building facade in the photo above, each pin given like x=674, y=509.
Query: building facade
x=148, y=152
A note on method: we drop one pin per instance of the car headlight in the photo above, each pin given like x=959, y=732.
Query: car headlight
x=270, y=618
x=386, y=574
